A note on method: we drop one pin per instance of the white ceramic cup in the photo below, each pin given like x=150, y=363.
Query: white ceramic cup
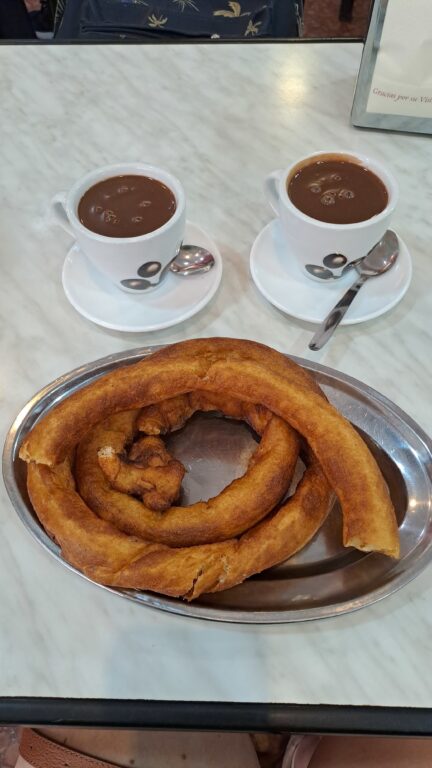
x=134, y=264
x=324, y=250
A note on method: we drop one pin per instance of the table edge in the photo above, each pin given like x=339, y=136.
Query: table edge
x=217, y=716
x=187, y=41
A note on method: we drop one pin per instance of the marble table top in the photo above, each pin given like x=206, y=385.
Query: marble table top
x=220, y=118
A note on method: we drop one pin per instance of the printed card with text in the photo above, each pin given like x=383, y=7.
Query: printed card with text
x=394, y=88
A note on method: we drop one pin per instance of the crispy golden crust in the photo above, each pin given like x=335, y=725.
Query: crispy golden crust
x=110, y=557
x=255, y=374
x=239, y=506
x=171, y=414
x=172, y=371
x=147, y=471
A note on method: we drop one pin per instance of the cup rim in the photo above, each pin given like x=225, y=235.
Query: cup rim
x=106, y=171
x=374, y=165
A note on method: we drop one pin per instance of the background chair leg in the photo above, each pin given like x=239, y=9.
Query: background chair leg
x=346, y=10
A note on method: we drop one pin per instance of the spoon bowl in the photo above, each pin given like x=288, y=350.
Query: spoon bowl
x=192, y=259
x=382, y=256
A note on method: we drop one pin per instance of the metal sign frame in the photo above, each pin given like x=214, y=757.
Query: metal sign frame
x=360, y=116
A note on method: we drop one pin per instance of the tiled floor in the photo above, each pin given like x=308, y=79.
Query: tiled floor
x=321, y=19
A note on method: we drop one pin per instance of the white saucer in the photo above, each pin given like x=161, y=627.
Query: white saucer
x=278, y=277
x=174, y=301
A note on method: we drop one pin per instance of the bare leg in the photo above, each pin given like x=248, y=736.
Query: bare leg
x=155, y=749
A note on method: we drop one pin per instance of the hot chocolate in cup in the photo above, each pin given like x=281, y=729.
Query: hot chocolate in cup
x=333, y=208
x=128, y=219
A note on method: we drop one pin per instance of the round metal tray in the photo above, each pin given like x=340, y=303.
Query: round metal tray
x=322, y=580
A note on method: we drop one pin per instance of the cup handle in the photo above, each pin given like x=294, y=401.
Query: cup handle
x=271, y=185
x=58, y=215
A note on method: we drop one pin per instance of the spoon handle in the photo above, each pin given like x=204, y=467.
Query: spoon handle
x=331, y=322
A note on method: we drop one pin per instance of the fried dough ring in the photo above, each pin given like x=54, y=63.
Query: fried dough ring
x=239, y=506
x=253, y=373
x=115, y=559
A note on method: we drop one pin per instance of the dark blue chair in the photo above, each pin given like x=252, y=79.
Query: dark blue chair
x=15, y=23
x=178, y=19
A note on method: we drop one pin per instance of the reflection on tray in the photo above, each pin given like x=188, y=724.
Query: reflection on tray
x=322, y=580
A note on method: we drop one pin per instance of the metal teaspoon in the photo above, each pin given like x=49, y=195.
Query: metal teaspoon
x=381, y=258
x=190, y=260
